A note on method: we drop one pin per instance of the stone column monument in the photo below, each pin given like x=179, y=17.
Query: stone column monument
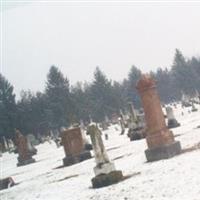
x=105, y=172
x=160, y=139
x=24, y=157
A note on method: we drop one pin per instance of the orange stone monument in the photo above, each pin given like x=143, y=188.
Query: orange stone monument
x=160, y=140
x=74, y=146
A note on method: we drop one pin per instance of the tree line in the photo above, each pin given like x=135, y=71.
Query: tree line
x=61, y=104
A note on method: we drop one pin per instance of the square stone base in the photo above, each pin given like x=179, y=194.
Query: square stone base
x=107, y=179
x=163, y=152
x=104, y=168
x=25, y=162
x=136, y=134
x=70, y=160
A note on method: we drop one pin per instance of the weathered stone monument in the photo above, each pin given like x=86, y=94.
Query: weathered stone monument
x=160, y=140
x=73, y=144
x=172, y=122
x=105, y=172
x=25, y=157
x=135, y=131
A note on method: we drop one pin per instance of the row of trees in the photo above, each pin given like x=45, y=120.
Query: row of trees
x=61, y=104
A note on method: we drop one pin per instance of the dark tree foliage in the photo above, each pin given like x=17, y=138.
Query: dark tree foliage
x=59, y=100
x=7, y=108
x=61, y=105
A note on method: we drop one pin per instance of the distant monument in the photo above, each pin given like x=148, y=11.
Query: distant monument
x=172, y=122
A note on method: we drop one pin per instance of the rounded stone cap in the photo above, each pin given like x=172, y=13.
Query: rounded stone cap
x=145, y=82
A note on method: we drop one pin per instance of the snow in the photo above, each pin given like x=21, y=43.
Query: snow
x=177, y=178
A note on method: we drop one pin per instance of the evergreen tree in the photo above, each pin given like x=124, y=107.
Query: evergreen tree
x=7, y=108
x=59, y=101
x=32, y=113
x=101, y=96
x=133, y=76
x=183, y=77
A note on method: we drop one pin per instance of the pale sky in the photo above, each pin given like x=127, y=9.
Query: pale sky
x=77, y=37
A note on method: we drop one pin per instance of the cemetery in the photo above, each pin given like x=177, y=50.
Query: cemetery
x=115, y=167
x=99, y=100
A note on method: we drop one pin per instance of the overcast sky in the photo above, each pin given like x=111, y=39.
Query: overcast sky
x=77, y=37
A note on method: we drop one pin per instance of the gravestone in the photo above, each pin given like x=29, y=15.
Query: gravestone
x=136, y=131
x=172, y=122
x=73, y=144
x=105, y=172
x=160, y=140
x=122, y=125
x=87, y=145
x=11, y=145
x=25, y=156
x=6, y=183
x=5, y=145
x=194, y=109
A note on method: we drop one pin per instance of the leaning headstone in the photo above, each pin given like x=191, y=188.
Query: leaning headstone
x=25, y=156
x=160, y=140
x=172, y=122
x=122, y=125
x=73, y=144
x=105, y=172
x=6, y=183
x=5, y=144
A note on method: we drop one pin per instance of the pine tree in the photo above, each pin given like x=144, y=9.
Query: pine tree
x=183, y=77
x=101, y=96
x=133, y=77
x=7, y=108
x=58, y=99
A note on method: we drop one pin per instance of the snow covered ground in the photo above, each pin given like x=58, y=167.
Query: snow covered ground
x=177, y=178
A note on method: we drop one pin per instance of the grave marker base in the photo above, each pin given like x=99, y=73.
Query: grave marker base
x=107, y=179
x=163, y=152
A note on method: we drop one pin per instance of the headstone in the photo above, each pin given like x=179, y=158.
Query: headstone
x=87, y=145
x=104, y=125
x=172, y=122
x=185, y=100
x=122, y=125
x=73, y=144
x=194, y=109
x=106, y=136
x=5, y=144
x=25, y=156
x=105, y=172
x=136, y=131
x=11, y=146
x=32, y=150
x=160, y=140
x=6, y=183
